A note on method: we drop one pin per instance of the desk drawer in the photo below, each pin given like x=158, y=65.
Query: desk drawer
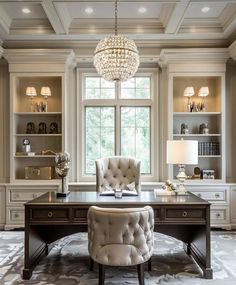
x=50, y=214
x=184, y=213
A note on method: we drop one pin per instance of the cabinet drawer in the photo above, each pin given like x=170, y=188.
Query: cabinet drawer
x=50, y=214
x=17, y=196
x=212, y=196
x=15, y=216
x=218, y=215
x=182, y=214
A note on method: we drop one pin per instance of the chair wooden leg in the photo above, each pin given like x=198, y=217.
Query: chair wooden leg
x=91, y=264
x=101, y=274
x=140, y=274
x=150, y=264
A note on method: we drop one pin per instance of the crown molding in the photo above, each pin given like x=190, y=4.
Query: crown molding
x=63, y=56
x=232, y=50
x=193, y=55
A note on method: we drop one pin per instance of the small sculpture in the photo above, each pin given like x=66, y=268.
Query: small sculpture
x=62, y=168
x=203, y=129
x=169, y=186
x=42, y=128
x=30, y=129
x=184, y=129
x=53, y=129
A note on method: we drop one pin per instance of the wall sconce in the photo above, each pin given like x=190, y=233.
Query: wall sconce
x=45, y=91
x=189, y=92
x=182, y=152
x=203, y=92
x=31, y=91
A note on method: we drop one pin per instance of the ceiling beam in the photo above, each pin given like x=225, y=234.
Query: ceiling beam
x=59, y=23
x=176, y=17
x=5, y=24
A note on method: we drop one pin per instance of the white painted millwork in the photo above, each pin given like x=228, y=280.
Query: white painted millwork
x=37, y=68
x=2, y=207
x=219, y=197
x=16, y=196
x=233, y=206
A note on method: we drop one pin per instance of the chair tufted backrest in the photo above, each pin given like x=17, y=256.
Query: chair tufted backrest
x=117, y=172
x=120, y=237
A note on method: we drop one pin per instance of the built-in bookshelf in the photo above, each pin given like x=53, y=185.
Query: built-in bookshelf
x=41, y=129
x=186, y=123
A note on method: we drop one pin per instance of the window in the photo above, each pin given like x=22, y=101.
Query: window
x=117, y=119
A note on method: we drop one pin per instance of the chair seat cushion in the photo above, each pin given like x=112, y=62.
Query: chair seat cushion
x=120, y=255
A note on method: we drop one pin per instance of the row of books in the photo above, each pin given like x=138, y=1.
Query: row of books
x=208, y=148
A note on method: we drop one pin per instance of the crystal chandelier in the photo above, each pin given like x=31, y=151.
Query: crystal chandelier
x=116, y=57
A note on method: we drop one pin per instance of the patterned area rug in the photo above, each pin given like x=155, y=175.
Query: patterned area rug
x=68, y=263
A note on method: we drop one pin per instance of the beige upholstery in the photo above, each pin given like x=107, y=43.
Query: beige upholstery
x=117, y=172
x=120, y=237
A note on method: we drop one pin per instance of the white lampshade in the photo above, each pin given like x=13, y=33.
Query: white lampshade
x=204, y=91
x=31, y=91
x=45, y=91
x=189, y=91
x=182, y=152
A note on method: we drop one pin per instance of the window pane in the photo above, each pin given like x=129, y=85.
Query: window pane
x=136, y=88
x=98, y=88
x=100, y=135
x=135, y=135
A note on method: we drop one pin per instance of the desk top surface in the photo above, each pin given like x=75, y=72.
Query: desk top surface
x=93, y=198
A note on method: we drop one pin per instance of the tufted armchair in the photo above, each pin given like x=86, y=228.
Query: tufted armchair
x=117, y=172
x=120, y=237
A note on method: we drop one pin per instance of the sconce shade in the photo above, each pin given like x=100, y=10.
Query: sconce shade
x=189, y=91
x=182, y=152
x=31, y=91
x=45, y=91
x=204, y=91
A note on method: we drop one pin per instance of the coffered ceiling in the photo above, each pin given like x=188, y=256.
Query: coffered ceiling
x=62, y=23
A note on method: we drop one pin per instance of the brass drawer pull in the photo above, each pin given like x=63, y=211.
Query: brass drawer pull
x=50, y=214
x=217, y=195
x=185, y=214
x=218, y=215
x=16, y=216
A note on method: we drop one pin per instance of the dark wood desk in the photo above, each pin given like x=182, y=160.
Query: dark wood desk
x=48, y=218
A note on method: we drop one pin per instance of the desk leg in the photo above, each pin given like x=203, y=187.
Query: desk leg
x=35, y=247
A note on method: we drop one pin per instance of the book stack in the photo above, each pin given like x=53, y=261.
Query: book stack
x=208, y=148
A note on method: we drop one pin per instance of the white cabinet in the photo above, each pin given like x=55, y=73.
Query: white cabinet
x=219, y=197
x=2, y=206
x=233, y=206
x=16, y=196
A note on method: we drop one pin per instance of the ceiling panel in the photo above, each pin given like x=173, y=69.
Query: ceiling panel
x=194, y=9
x=106, y=9
x=13, y=10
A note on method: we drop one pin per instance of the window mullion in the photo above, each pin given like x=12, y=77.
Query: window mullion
x=117, y=122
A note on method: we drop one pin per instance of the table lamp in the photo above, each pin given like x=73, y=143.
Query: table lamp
x=203, y=92
x=182, y=152
x=31, y=92
x=189, y=92
x=46, y=91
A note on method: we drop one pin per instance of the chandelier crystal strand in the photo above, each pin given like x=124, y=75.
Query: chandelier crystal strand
x=116, y=57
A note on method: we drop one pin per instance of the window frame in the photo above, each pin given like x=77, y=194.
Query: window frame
x=118, y=102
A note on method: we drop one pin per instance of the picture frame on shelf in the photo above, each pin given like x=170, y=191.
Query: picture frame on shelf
x=208, y=174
